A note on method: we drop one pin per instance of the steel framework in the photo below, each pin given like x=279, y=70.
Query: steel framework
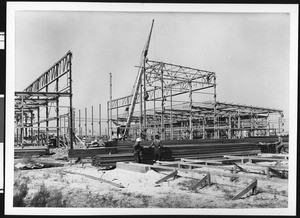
x=45, y=93
x=180, y=102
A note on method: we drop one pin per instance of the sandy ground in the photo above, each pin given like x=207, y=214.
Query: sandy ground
x=140, y=190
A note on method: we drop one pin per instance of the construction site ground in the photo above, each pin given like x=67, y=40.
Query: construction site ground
x=139, y=189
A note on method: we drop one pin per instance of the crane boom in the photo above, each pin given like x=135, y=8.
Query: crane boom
x=138, y=82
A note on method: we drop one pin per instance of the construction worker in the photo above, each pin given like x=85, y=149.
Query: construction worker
x=279, y=146
x=137, y=150
x=157, y=148
x=275, y=147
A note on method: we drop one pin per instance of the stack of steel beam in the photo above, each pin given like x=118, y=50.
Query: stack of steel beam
x=31, y=151
x=174, y=149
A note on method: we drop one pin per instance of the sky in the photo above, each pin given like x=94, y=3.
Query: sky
x=249, y=52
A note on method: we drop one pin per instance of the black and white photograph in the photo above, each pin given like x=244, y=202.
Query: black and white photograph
x=151, y=109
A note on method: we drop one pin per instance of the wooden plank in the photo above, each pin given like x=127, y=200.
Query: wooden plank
x=261, y=167
x=173, y=174
x=240, y=168
x=281, y=156
x=260, y=159
x=95, y=178
x=191, y=165
x=193, y=160
x=202, y=182
x=222, y=174
x=132, y=167
x=225, y=174
x=252, y=186
x=278, y=173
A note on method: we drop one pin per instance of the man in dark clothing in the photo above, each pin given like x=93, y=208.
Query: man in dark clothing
x=157, y=148
x=137, y=150
x=275, y=147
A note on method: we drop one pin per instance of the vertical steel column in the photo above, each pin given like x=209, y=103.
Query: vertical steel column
x=64, y=125
x=204, y=125
x=80, y=132
x=26, y=125
x=60, y=124
x=239, y=125
x=191, y=113
x=92, y=122
x=279, y=124
x=154, y=110
x=141, y=108
x=251, y=124
x=16, y=140
x=57, y=105
x=110, y=106
x=162, y=103
x=229, y=126
x=99, y=119
x=107, y=107
x=22, y=122
x=171, y=113
x=85, y=122
x=144, y=94
x=117, y=110
x=39, y=124
x=47, y=114
x=17, y=132
x=31, y=125
x=71, y=104
x=215, y=107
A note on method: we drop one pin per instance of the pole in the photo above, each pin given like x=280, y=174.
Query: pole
x=190, y=106
x=38, y=120
x=85, y=122
x=110, y=106
x=22, y=122
x=229, y=128
x=215, y=107
x=171, y=115
x=162, y=103
x=57, y=110
x=79, y=126
x=92, y=122
x=31, y=124
x=154, y=110
x=71, y=104
x=99, y=119
x=47, y=117
x=107, y=106
x=141, y=109
x=64, y=125
x=144, y=95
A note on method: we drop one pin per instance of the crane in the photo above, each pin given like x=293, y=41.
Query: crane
x=138, y=82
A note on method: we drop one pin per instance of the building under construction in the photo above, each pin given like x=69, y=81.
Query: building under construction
x=178, y=102
x=173, y=101
x=41, y=108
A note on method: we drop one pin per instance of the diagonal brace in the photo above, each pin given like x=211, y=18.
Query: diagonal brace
x=252, y=186
x=240, y=168
x=205, y=180
x=278, y=173
x=173, y=174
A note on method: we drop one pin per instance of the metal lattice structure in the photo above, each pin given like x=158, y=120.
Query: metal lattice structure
x=180, y=102
x=45, y=93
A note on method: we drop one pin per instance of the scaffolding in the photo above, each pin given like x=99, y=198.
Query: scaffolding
x=53, y=89
x=178, y=102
